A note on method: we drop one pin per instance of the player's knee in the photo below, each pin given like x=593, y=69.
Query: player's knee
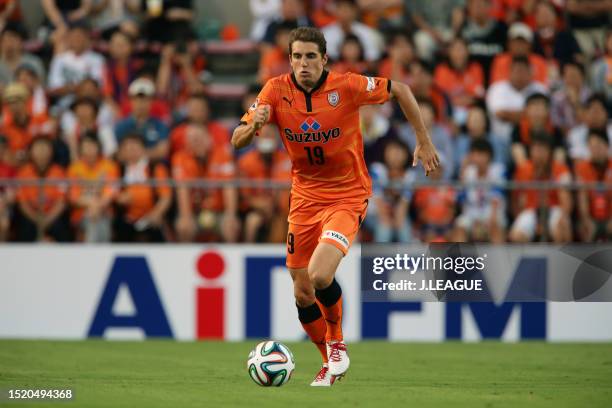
x=318, y=279
x=304, y=294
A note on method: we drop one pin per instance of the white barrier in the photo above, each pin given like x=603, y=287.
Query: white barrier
x=235, y=292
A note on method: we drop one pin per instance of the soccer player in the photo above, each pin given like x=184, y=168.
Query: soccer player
x=317, y=113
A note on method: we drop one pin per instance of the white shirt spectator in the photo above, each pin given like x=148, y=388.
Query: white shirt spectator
x=503, y=96
x=577, y=145
x=370, y=39
x=69, y=68
x=478, y=201
x=264, y=12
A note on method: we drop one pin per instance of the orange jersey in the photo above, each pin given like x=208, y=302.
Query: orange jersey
x=600, y=200
x=320, y=131
x=40, y=197
x=500, y=69
x=533, y=198
x=179, y=135
x=143, y=196
x=458, y=84
x=103, y=170
x=435, y=204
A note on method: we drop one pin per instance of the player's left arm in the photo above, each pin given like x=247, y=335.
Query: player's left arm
x=425, y=150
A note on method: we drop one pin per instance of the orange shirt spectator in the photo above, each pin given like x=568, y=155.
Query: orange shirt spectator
x=600, y=201
x=40, y=197
x=104, y=170
x=458, y=84
x=219, y=166
x=274, y=62
x=531, y=198
x=500, y=69
x=180, y=134
x=143, y=197
x=435, y=205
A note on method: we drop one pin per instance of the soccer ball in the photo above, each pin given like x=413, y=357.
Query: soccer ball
x=270, y=364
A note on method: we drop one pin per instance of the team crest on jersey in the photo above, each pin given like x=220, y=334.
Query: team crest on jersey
x=254, y=105
x=333, y=98
x=371, y=84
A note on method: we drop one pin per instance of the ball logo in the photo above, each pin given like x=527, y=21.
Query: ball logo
x=333, y=98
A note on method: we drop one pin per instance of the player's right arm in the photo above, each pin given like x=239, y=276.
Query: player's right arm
x=243, y=134
x=260, y=113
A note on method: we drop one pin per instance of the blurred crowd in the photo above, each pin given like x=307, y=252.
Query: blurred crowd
x=106, y=132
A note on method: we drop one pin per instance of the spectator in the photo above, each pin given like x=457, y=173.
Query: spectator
x=477, y=126
x=62, y=14
x=512, y=11
x=352, y=57
x=177, y=76
x=121, y=70
x=595, y=205
x=18, y=125
x=198, y=119
x=88, y=93
x=485, y=36
x=567, y=102
x=555, y=45
x=483, y=208
x=506, y=99
x=91, y=193
x=346, y=12
x=588, y=20
x=265, y=211
x=388, y=213
x=436, y=23
x=292, y=13
x=208, y=212
x=7, y=194
x=542, y=214
x=10, y=12
x=27, y=75
x=275, y=60
x=141, y=122
x=460, y=79
x=168, y=21
x=12, y=54
x=595, y=117
x=264, y=12
x=141, y=207
x=439, y=136
x=376, y=129
x=400, y=54
x=42, y=205
x=423, y=86
x=520, y=39
x=110, y=16
x=536, y=119
x=601, y=77
x=70, y=67
x=435, y=208
x=382, y=14
x=85, y=122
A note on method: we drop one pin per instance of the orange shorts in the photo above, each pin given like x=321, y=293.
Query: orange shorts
x=309, y=223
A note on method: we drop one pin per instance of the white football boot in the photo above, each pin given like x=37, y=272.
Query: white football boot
x=338, y=358
x=323, y=378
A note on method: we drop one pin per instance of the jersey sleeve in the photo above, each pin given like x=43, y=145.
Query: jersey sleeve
x=266, y=97
x=369, y=90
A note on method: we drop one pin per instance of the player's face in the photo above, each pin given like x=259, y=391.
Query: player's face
x=306, y=63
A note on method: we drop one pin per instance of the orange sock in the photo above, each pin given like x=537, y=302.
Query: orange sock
x=314, y=325
x=330, y=302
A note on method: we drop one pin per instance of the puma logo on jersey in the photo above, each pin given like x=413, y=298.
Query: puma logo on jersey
x=287, y=100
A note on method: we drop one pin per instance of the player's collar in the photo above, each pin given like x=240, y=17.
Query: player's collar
x=319, y=83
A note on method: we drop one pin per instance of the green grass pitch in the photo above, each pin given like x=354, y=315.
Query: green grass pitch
x=213, y=374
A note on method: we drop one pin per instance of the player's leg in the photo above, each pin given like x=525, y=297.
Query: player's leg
x=340, y=226
x=301, y=241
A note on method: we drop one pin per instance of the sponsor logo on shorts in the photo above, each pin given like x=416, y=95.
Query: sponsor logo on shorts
x=371, y=84
x=336, y=236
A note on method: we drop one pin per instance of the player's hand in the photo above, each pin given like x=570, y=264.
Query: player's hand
x=261, y=116
x=428, y=155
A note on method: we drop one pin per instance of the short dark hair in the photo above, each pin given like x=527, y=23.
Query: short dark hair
x=481, y=145
x=135, y=137
x=600, y=134
x=538, y=96
x=541, y=138
x=597, y=98
x=308, y=34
